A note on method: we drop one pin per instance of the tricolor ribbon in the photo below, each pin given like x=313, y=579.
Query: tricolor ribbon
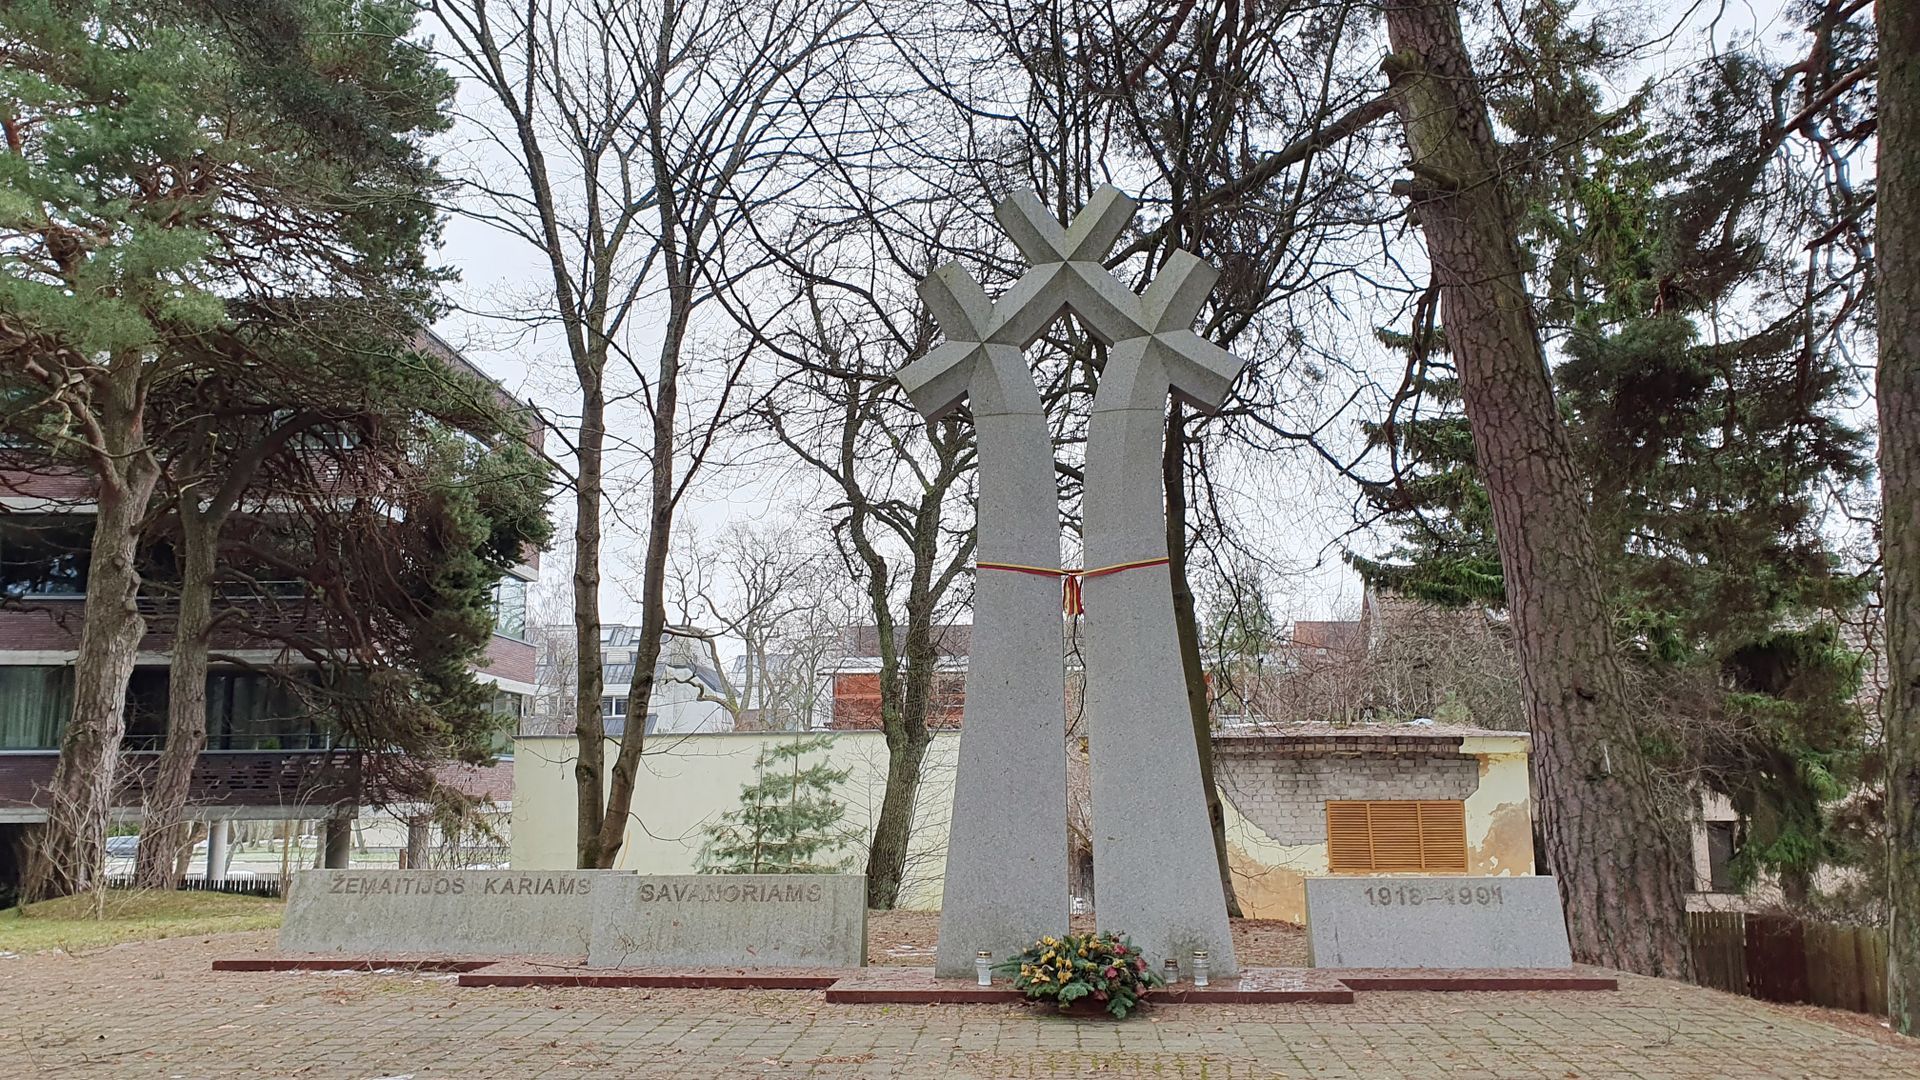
x=1070, y=579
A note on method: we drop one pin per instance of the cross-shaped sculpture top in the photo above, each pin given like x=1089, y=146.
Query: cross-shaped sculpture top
x=1067, y=274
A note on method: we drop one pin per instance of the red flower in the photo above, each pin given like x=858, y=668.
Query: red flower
x=1119, y=950
x=1139, y=965
x=1111, y=973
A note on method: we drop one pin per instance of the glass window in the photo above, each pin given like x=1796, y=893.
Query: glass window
x=34, y=703
x=611, y=707
x=510, y=608
x=44, y=557
x=146, y=713
x=250, y=711
x=511, y=709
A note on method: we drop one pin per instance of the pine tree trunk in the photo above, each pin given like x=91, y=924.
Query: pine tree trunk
x=1186, y=625
x=1615, y=846
x=589, y=767
x=164, y=831
x=71, y=855
x=1897, y=264
x=419, y=835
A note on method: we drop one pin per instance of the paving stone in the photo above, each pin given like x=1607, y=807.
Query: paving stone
x=155, y=1010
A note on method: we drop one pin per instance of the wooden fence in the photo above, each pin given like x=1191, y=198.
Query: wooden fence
x=1783, y=958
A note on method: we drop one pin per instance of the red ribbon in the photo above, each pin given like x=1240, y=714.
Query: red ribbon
x=1070, y=580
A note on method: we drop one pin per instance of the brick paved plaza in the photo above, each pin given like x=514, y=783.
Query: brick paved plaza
x=153, y=1009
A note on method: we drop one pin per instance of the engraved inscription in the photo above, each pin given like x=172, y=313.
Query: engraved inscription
x=730, y=892
x=1486, y=896
x=448, y=885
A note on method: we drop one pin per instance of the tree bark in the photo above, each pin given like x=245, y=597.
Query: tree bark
x=589, y=767
x=1614, y=843
x=906, y=694
x=1897, y=286
x=164, y=831
x=419, y=834
x=1186, y=625
x=661, y=499
x=71, y=856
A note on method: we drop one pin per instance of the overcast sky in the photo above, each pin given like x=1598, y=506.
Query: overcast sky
x=1306, y=511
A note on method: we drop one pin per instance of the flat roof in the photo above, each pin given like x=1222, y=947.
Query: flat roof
x=1325, y=730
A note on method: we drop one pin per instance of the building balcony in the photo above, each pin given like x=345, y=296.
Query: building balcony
x=226, y=783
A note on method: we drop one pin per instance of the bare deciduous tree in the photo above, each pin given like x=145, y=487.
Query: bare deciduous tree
x=642, y=139
x=784, y=606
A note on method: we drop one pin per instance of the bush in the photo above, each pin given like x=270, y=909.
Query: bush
x=1104, y=967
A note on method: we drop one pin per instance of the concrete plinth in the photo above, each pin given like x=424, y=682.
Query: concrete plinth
x=446, y=913
x=715, y=920
x=1436, y=922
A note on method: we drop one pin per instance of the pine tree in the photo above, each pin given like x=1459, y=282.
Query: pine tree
x=789, y=821
x=164, y=164
x=1706, y=444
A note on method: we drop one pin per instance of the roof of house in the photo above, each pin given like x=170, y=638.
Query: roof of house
x=1341, y=635
x=951, y=640
x=1327, y=738
x=622, y=675
x=494, y=782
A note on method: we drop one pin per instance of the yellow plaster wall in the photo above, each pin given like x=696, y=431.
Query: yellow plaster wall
x=687, y=781
x=1269, y=878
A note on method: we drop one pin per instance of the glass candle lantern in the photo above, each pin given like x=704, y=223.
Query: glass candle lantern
x=983, y=967
x=1172, y=971
x=1199, y=967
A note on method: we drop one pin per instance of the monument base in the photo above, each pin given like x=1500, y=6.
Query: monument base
x=1253, y=986
x=1449, y=923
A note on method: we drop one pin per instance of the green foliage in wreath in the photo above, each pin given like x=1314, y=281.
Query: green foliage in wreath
x=1104, y=967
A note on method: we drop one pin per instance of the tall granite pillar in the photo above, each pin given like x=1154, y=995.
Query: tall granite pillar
x=1006, y=873
x=1153, y=856
x=1153, y=848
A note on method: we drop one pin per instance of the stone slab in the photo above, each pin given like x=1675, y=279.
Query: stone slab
x=507, y=975
x=731, y=920
x=1436, y=922
x=1444, y=979
x=319, y=963
x=448, y=913
x=1253, y=986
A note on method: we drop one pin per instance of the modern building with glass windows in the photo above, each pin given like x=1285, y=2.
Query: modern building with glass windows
x=270, y=754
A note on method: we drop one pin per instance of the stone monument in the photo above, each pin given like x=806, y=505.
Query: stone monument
x=1436, y=922
x=1153, y=848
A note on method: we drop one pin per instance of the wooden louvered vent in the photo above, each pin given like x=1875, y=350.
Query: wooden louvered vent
x=1397, y=837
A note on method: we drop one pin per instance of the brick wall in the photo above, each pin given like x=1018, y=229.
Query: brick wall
x=1285, y=794
x=856, y=701
x=508, y=659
